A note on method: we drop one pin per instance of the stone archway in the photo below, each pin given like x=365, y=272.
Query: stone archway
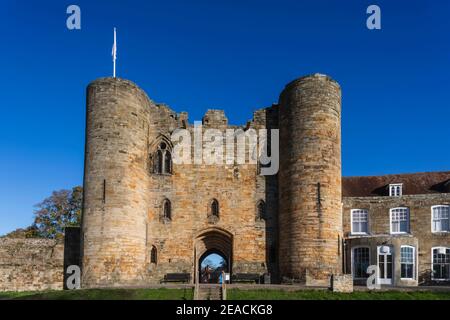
x=215, y=266
x=213, y=240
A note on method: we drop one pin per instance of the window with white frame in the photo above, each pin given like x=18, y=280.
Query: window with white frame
x=440, y=218
x=395, y=189
x=441, y=263
x=407, y=259
x=399, y=220
x=360, y=221
x=361, y=261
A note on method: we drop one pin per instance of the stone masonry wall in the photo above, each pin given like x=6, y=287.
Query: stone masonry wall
x=115, y=183
x=31, y=264
x=420, y=223
x=342, y=283
x=123, y=197
x=310, y=179
x=190, y=189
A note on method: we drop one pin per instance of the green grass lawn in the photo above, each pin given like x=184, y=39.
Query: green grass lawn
x=233, y=294
x=103, y=294
x=237, y=294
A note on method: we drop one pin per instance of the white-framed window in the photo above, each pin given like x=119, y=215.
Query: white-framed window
x=360, y=221
x=441, y=263
x=399, y=220
x=407, y=261
x=395, y=190
x=440, y=218
x=360, y=262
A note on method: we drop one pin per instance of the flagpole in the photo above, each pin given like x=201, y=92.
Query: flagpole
x=114, y=54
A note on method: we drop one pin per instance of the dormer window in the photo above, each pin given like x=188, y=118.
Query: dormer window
x=396, y=190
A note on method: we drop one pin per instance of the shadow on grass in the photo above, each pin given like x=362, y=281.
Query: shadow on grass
x=236, y=294
x=103, y=294
x=233, y=294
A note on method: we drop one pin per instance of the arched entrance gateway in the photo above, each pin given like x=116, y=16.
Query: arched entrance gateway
x=212, y=241
x=211, y=265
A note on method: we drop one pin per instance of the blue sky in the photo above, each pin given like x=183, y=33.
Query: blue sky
x=212, y=258
x=232, y=55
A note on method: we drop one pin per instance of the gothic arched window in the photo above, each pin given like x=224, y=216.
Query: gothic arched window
x=213, y=211
x=154, y=255
x=261, y=210
x=166, y=210
x=158, y=161
x=162, y=163
x=167, y=162
x=215, y=208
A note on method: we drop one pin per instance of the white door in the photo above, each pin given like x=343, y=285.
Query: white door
x=385, y=264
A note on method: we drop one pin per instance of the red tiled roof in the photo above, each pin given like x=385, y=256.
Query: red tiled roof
x=413, y=183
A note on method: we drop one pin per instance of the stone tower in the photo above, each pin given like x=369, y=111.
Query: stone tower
x=310, y=209
x=115, y=183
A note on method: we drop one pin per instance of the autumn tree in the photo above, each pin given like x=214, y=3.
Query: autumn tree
x=29, y=232
x=62, y=209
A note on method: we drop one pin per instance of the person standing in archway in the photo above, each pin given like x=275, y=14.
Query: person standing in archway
x=206, y=274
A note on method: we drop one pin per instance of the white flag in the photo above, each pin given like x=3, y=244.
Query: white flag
x=114, y=54
x=114, y=47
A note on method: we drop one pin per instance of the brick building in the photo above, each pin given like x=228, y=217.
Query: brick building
x=145, y=216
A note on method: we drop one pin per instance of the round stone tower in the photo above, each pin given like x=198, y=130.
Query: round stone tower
x=115, y=181
x=310, y=209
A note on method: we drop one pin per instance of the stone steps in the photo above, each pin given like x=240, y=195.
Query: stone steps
x=210, y=292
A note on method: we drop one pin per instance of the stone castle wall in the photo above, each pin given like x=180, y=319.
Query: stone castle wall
x=31, y=264
x=124, y=198
x=310, y=179
x=116, y=183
